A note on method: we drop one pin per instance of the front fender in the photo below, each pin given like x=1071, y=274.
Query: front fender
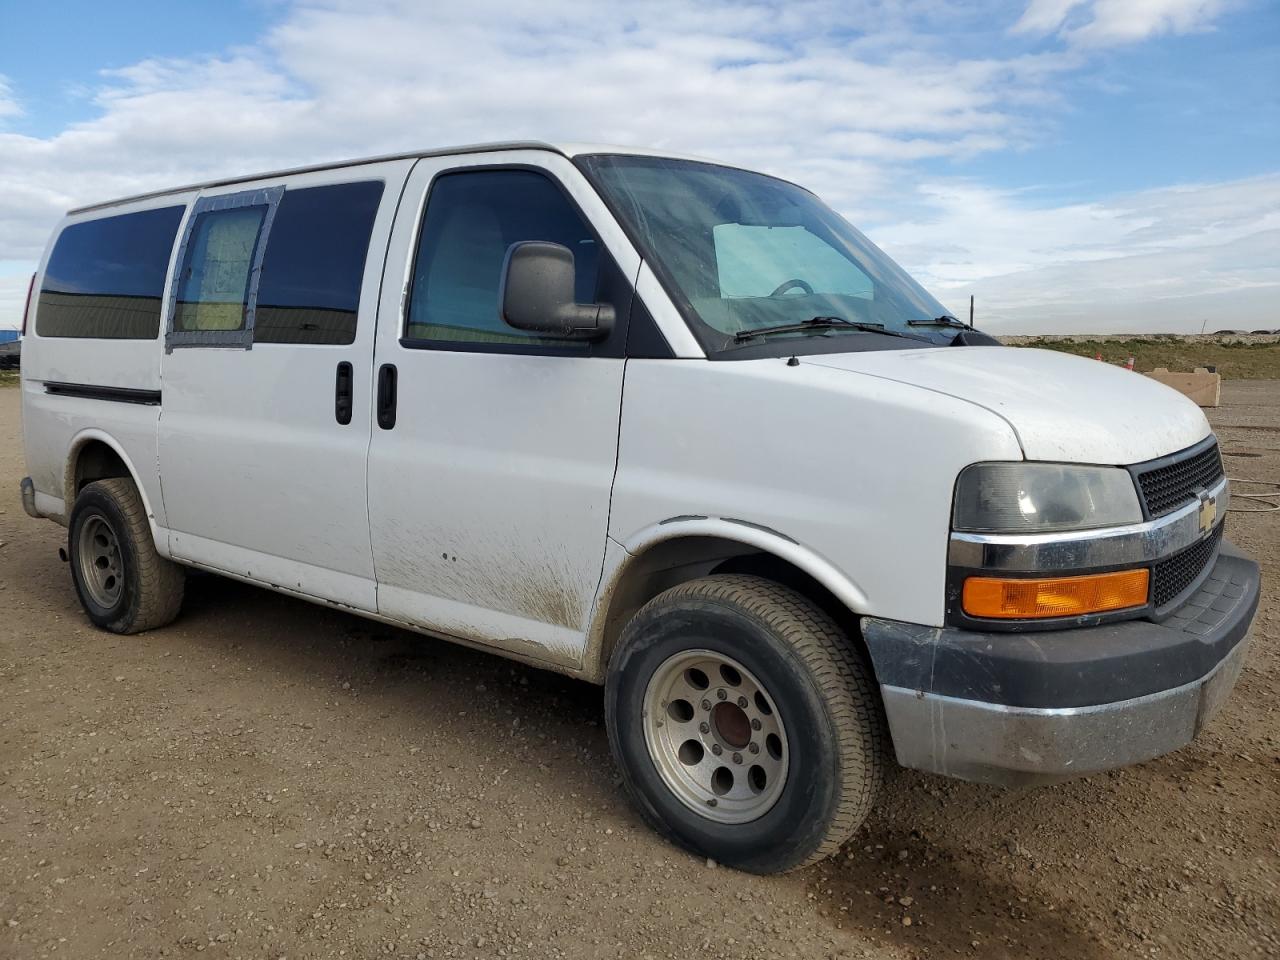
x=625, y=562
x=762, y=538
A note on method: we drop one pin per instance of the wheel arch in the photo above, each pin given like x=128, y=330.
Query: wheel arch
x=96, y=455
x=685, y=548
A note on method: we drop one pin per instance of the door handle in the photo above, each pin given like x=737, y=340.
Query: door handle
x=387, y=396
x=342, y=394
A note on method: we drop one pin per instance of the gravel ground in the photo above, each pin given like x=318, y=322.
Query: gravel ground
x=268, y=779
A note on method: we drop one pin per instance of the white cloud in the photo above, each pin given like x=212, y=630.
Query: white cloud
x=1107, y=22
x=1045, y=16
x=781, y=86
x=1162, y=259
x=845, y=96
x=14, y=280
x=9, y=106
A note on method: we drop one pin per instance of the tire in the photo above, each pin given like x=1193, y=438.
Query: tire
x=134, y=588
x=817, y=691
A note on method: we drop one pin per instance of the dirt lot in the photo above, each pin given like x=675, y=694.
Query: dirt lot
x=267, y=778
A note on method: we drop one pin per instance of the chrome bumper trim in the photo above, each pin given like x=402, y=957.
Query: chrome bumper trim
x=1012, y=746
x=1135, y=544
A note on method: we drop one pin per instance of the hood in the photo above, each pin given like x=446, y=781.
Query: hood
x=1062, y=407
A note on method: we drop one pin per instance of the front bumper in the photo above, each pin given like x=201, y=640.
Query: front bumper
x=1018, y=708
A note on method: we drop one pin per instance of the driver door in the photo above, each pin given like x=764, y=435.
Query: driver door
x=489, y=483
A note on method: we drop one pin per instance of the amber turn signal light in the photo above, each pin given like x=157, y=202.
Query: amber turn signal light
x=997, y=598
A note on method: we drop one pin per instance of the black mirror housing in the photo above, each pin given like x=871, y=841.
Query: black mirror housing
x=537, y=294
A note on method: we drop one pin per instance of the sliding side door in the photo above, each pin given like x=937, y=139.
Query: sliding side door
x=265, y=423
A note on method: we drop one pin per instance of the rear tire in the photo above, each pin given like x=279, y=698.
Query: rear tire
x=776, y=784
x=124, y=585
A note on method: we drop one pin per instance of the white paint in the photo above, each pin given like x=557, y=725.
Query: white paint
x=515, y=490
x=1063, y=407
x=857, y=470
x=53, y=425
x=489, y=501
x=251, y=454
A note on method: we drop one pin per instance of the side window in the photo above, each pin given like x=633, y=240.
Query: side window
x=754, y=261
x=213, y=287
x=309, y=291
x=105, y=277
x=214, y=295
x=472, y=219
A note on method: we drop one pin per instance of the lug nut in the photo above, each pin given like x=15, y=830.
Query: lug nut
x=754, y=748
x=720, y=694
x=717, y=749
x=704, y=727
x=755, y=724
x=737, y=758
x=742, y=702
x=706, y=704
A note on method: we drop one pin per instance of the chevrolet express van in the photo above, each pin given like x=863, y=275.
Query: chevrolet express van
x=659, y=423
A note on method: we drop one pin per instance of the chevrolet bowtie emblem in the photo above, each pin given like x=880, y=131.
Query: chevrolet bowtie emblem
x=1208, y=512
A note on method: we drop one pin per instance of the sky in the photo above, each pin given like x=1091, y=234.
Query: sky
x=1075, y=165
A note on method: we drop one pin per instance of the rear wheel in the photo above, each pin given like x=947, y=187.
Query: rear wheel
x=746, y=728
x=124, y=585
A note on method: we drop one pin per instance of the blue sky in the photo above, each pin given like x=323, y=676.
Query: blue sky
x=1202, y=106
x=1075, y=164
x=57, y=57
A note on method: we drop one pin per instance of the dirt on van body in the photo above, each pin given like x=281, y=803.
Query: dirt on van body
x=266, y=778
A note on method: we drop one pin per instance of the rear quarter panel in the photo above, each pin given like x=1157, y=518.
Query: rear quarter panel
x=53, y=425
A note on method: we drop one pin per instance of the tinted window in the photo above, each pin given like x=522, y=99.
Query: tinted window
x=213, y=287
x=472, y=219
x=105, y=277
x=309, y=290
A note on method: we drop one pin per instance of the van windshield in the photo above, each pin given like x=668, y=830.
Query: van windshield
x=743, y=252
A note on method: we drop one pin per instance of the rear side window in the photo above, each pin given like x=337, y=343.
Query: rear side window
x=309, y=291
x=214, y=285
x=105, y=278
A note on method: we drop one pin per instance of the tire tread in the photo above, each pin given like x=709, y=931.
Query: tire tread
x=844, y=683
x=161, y=582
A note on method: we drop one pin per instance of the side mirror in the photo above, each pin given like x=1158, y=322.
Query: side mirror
x=537, y=294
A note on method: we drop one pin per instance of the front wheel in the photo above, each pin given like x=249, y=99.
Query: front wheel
x=746, y=728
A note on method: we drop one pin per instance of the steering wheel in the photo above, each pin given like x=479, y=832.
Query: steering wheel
x=796, y=284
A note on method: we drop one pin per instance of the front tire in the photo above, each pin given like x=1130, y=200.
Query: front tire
x=124, y=585
x=746, y=728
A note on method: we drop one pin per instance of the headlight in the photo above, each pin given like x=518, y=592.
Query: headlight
x=1042, y=497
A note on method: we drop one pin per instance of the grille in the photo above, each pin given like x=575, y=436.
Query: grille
x=1170, y=577
x=1166, y=488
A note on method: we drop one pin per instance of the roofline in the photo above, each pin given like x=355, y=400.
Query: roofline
x=332, y=165
x=568, y=151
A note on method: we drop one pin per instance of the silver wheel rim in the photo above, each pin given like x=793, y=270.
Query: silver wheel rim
x=716, y=736
x=98, y=554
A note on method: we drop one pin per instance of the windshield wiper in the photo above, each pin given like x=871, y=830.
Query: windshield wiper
x=946, y=320
x=819, y=323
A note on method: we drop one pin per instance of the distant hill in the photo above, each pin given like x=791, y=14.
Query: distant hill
x=1235, y=356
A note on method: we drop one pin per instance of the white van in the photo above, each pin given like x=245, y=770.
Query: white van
x=658, y=423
